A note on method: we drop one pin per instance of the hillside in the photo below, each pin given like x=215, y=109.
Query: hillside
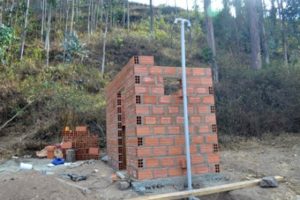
x=47, y=90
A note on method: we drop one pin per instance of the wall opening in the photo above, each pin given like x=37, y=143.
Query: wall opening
x=172, y=85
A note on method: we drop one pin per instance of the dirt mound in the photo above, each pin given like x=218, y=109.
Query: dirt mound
x=34, y=185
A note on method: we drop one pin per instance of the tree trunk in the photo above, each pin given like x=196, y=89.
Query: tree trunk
x=264, y=40
x=283, y=32
x=20, y=112
x=89, y=19
x=95, y=16
x=10, y=13
x=24, y=30
x=128, y=15
x=43, y=20
x=210, y=36
x=124, y=14
x=77, y=10
x=72, y=16
x=67, y=16
x=111, y=14
x=1, y=11
x=48, y=34
x=101, y=10
x=104, y=45
x=97, y=3
x=254, y=34
x=92, y=16
x=238, y=23
x=151, y=18
x=60, y=13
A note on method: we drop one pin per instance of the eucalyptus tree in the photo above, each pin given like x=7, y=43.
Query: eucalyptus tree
x=254, y=34
x=43, y=7
x=89, y=18
x=1, y=11
x=51, y=5
x=283, y=29
x=72, y=16
x=264, y=39
x=210, y=36
x=104, y=44
x=24, y=30
x=128, y=15
x=151, y=17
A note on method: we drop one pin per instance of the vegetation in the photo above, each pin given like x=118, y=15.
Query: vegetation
x=58, y=55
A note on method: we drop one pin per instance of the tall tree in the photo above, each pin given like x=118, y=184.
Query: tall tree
x=238, y=22
x=264, y=40
x=49, y=18
x=252, y=6
x=66, y=5
x=124, y=14
x=283, y=31
x=77, y=9
x=10, y=12
x=43, y=6
x=151, y=17
x=89, y=18
x=210, y=36
x=72, y=16
x=1, y=11
x=24, y=30
x=104, y=44
x=128, y=15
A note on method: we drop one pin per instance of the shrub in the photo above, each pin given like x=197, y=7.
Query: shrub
x=251, y=103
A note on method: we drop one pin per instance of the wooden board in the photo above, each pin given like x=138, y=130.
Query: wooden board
x=205, y=191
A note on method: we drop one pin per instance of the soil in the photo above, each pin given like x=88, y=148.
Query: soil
x=241, y=160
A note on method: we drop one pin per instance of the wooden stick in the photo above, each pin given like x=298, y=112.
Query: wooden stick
x=84, y=190
x=16, y=115
x=205, y=191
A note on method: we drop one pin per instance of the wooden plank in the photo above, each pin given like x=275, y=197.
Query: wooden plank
x=205, y=191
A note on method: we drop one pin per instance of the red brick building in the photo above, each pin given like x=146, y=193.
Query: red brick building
x=144, y=115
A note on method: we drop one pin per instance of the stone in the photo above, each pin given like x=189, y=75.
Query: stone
x=268, y=182
x=124, y=185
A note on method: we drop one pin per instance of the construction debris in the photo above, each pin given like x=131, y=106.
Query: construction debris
x=58, y=161
x=86, y=145
x=76, y=178
x=120, y=175
x=25, y=166
x=206, y=191
x=42, y=153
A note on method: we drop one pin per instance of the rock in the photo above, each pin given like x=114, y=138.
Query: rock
x=120, y=175
x=124, y=185
x=91, y=162
x=141, y=190
x=268, y=182
x=104, y=158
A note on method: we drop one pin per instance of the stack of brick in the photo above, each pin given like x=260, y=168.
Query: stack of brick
x=85, y=144
x=145, y=132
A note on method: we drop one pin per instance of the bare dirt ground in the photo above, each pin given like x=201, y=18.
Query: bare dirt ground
x=241, y=160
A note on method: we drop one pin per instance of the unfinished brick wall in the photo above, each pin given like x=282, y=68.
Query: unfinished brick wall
x=145, y=132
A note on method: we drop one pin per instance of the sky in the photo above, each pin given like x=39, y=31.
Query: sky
x=216, y=4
